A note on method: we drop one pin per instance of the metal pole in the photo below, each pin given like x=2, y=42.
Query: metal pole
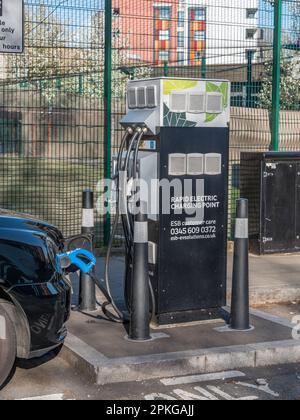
x=140, y=306
x=166, y=69
x=80, y=83
x=203, y=67
x=275, y=123
x=249, y=79
x=87, y=292
x=240, y=307
x=107, y=113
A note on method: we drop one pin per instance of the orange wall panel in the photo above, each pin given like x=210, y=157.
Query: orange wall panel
x=137, y=26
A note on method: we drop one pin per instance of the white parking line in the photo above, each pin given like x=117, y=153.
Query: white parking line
x=221, y=376
x=53, y=397
x=228, y=397
x=262, y=388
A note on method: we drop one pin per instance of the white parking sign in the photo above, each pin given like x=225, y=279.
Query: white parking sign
x=11, y=26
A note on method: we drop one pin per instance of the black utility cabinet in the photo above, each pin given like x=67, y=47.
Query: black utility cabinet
x=271, y=183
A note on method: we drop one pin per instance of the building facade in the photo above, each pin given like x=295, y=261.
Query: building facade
x=149, y=28
x=183, y=32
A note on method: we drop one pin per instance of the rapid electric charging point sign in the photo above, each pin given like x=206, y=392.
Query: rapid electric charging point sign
x=11, y=26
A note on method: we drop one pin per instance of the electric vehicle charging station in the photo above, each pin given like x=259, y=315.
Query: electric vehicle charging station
x=177, y=146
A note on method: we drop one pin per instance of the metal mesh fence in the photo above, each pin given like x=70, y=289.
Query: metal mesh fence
x=51, y=113
x=52, y=108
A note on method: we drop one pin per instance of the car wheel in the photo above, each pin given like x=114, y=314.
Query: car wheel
x=8, y=343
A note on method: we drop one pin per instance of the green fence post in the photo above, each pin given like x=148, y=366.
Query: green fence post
x=58, y=83
x=203, y=67
x=275, y=123
x=166, y=69
x=249, y=102
x=107, y=113
x=80, y=85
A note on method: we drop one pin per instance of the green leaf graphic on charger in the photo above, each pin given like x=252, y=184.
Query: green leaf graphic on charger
x=223, y=88
x=211, y=87
x=176, y=119
x=211, y=117
x=224, y=91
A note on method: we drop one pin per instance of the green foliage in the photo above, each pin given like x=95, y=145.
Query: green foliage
x=60, y=60
x=290, y=85
x=290, y=65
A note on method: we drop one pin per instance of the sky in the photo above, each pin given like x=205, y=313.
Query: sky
x=267, y=15
x=75, y=13
x=86, y=4
x=80, y=10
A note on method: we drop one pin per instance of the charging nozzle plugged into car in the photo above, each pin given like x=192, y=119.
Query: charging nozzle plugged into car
x=80, y=259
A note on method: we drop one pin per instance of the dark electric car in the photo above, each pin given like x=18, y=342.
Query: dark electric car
x=34, y=296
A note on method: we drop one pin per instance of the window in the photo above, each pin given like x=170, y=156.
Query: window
x=251, y=13
x=164, y=13
x=199, y=14
x=164, y=55
x=181, y=17
x=116, y=12
x=181, y=39
x=250, y=33
x=199, y=36
x=164, y=35
x=181, y=58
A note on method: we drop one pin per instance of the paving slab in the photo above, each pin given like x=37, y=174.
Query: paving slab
x=99, y=349
x=110, y=338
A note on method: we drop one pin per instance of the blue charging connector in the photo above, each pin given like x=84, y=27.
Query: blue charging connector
x=77, y=258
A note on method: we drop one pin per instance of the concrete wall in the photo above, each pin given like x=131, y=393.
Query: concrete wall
x=250, y=130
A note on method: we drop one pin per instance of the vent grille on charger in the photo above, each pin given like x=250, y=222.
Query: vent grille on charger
x=177, y=164
x=178, y=102
x=195, y=164
x=213, y=164
x=141, y=97
x=132, y=103
x=196, y=103
x=151, y=97
x=214, y=103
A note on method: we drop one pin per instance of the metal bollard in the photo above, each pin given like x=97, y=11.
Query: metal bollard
x=240, y=307
x=87, y=289
x=139, y=329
